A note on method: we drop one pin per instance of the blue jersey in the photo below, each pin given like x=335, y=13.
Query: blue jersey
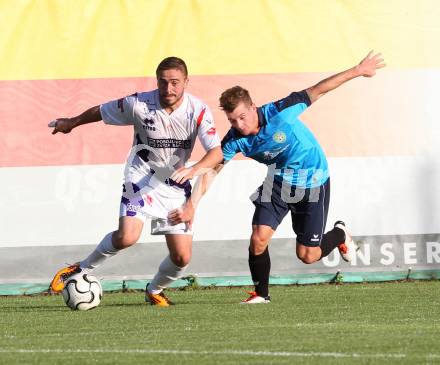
x=283, y=143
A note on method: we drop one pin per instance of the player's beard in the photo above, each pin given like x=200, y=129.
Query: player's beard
x=169, y=103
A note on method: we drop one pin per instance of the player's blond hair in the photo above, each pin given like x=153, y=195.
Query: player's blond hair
x=233, y=96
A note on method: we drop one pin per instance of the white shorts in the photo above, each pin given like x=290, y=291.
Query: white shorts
x=147, y=197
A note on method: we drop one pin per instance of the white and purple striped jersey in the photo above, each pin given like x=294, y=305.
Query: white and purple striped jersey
x=162, y=140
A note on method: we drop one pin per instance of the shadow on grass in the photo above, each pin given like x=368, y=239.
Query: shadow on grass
x=32, y=308
x=177, y=303
x=139, y=304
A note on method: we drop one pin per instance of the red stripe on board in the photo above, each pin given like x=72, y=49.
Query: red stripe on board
x=385, y=115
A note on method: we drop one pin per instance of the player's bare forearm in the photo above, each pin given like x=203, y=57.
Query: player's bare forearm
x=89, y=116
x=186, y=213
x=205, y=182
x=65, y=125
x=211, y=159
x=330, y=83
x=201, y=186
x=367, y=68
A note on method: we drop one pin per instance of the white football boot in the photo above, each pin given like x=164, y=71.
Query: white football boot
x=348, y=248
x=255, y=299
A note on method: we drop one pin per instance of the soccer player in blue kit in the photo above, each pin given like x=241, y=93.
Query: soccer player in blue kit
x=298, y=177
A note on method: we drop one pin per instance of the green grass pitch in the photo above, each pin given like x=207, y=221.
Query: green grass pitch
x=380, y=323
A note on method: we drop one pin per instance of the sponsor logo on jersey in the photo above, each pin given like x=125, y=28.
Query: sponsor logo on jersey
x=269, y=155
x=133, y=208
x=149, y=124
x=169, y=143
x=279, y=137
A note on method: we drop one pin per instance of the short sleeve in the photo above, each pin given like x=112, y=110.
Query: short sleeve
x=297, y=102
x=206, y=130
x=119, y=112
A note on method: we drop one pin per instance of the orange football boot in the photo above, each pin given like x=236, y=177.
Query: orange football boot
x=160, y=299
x=57, y=283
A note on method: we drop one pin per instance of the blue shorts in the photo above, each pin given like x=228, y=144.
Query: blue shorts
x=308, y=208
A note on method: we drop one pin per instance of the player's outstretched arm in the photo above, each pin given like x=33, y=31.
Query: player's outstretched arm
x=65, y=125
x=367, y=68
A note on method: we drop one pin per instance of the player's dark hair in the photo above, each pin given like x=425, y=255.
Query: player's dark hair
x=230, y=98
x=170, y=63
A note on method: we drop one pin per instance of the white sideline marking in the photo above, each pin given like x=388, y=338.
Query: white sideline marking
x=239, y=353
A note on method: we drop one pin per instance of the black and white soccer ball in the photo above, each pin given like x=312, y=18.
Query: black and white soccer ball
x=82, y=292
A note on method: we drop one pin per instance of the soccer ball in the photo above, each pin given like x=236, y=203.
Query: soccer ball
x=82, y=292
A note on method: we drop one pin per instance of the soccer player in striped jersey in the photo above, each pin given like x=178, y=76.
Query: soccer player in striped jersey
x=166, y=122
